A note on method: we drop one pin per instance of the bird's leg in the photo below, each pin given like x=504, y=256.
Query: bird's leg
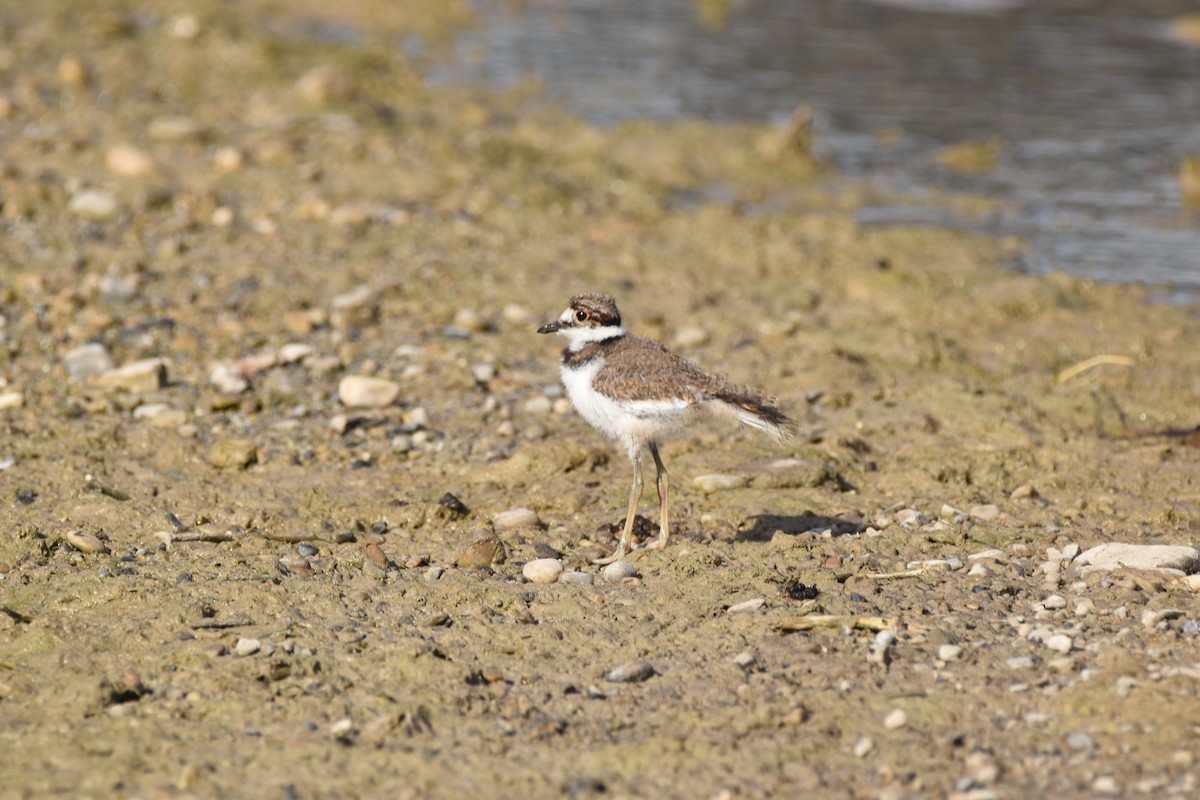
x=635, y=495
x=663, y=484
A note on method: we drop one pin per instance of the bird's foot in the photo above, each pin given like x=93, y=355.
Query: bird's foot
x=614, y=558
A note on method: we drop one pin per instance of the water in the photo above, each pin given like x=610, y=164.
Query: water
x=1093, y=103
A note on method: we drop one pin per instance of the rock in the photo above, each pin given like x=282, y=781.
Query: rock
x=578, y=578
x=361, y=391
x=128, y=161
x=483, y=550
x=631, y=672
x=539, y=406
x=228, y=159
x=12, y=399
x=516, y=518
x=1060, y=643
x=691, y=336
x=1170, y=559
x=863, y=746
x=324, y=84
x=146, y=375
x=542, y=570
x=984, y=512
x=718, y=483
x=86, y=360
x=949, y=652
x=618, y=571
x=747, y=605
x=246, y=647
x=910, y=518
x=484, y=373
x=471, y=321
x=228, y=379
x=1151, y=618
x=880, y=650
x=94, y=205
x=85, y=542
x=895, y=719
x=174, y=129
x=160, y=415
x=1025, y=491
x=1054, y=602
x=745, y=659
x=295, y=352
x=233, y=453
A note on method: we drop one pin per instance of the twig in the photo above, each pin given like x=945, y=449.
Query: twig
x=810, y=621
x=1095, y=361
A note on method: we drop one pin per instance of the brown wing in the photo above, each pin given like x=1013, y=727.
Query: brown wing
x=647, y=368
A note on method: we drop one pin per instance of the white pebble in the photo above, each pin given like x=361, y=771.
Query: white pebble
x=1060, y=643
x=1054, y=602
x=619, y=570
x=247, y=647
x=896, y=718
x=949, y=652
x=228, y=379
x=361, y=391
x=984, y=512
x=515, y=518
x=747, y=605
x=863, y=746
x=538, y=406
x=86, y=360
x=745, y=659
x=93, y=205
x=691, y=336
x=128, y=161
x=542, y=570
x=1106, y=784
x=717, y=483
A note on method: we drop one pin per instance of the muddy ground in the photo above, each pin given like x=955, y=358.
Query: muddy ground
x=218, y=580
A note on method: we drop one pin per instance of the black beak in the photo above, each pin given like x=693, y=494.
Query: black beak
x=550, y=327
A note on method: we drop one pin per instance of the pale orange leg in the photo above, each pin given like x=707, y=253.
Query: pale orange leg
x=635, y=495
x=663, y=484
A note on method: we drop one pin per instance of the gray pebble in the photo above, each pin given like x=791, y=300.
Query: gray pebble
x=580, y=578
x=515, y=518
x=247, y=647
x=718, y=483
x=93, y=205
x=86, y=360
x=630, y=672
x=619, y=570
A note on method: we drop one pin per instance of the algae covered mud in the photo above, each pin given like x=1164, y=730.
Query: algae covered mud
x=273, y=405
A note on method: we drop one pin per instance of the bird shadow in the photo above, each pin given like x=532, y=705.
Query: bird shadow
x=766, y=526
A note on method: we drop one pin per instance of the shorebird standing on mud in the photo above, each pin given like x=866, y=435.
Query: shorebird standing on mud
x=639, y=392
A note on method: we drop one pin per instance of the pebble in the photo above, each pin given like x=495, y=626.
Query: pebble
x=86, y=360
x=1054, y=602
x=483, y=550
x=539, y=406
x=128, y=161
x=228, y=379
x=93, y=205
x=1060, y=643
x=470, y=320
x=630, y=672
x=691, y=336
x=12, y=399
x=984, y=512
x=160, y=415
x=1151, y=618
x=989, y=554
x=982, y=768
x=247, y=647
x=718, y=483
x=881, y=645
x=484, y=373
x=618, y=571
x=173, y=129
x=146, y=375
x=228, y=159
x=949, y=652
x=361, y=391
x=745, y=659
x=911, y=518
x=516, y=518
x=85, y=542
x=747, y=605
x=863, y=746
x=1107, y=785
x=542, y=570
x=896, y=718
x=233, y=453
x=579, y=578
x=1172, y=559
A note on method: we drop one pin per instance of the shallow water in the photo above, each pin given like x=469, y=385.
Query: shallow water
x=1092, y=104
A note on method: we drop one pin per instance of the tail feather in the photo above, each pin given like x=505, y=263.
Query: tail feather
x=756, y=411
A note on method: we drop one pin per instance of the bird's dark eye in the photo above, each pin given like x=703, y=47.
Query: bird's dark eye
x=582, y=316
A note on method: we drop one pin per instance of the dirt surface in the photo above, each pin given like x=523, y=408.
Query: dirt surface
x=217, y=579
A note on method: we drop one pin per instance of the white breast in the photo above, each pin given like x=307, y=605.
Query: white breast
x=633, y=423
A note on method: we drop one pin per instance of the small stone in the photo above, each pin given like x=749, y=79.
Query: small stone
x=910, y=518
x=361, y=391
x=1172, y=559
x=160, y=415
x=128, y=161
x=982, y=768
x=747, y=605
x=12, y=399
x=484, y=373
x=233, y=453
x=146, y=375
x=719, y=483
x=228, y=379
x=516, y=518
x=295, y=352
x=483, y=550
x=1151, y=618
x=691, y=336
x=895, y=719
x=863, y=746
x=470, y=320
x=630, y=672
x=228, y=159
x=949, y=652
x=247, y=647
x=1085, y=607
x=578, y=578
x=85, y=542
x=86, y=360
x=1106, y=785
x=1054, y=602
x=1060, y=643
x=173, y=129
x=745, y=659
x=618, y=571
x=984, y=512
x=538, y=406
x=992, y=554
x=93, y=205
x=324, y=84
x=542, y=570
x=881, y=645
x=1025, y=491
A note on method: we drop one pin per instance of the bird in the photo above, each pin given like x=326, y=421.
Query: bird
x=638, y=392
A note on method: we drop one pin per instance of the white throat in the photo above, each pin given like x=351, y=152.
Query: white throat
x=582, y=337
